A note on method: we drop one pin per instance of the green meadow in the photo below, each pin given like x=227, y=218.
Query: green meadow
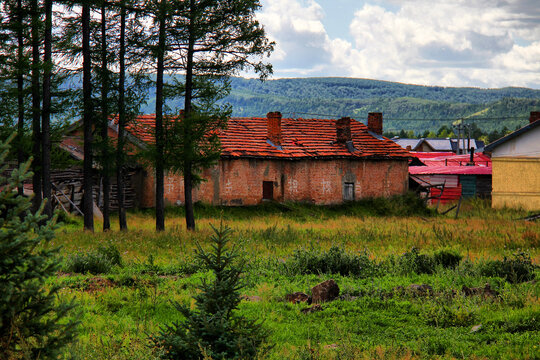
x=124, y=282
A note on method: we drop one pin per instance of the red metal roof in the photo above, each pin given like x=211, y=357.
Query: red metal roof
x=451, y=164
x=430, y=155
x=301, y=138
x=450, y=170
x=451, y=159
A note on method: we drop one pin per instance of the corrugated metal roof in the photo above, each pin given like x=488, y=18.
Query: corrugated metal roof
x=439, y=144
x=450, y=170
x=407, y=142
x=451, y=159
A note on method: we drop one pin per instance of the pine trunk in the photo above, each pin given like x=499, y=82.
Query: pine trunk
x=188, y=168
x=46, y=114
x=36, y=108
x=20, y=90
x=104, y=122
x=121, y=121
x=88, y=199
x=160, y=205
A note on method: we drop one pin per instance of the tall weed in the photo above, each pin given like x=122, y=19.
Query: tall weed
x=519, y=268
x=334, y=261
x=99, y=261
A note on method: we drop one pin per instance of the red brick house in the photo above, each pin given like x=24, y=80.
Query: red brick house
x=299, y=160
x=320, y=161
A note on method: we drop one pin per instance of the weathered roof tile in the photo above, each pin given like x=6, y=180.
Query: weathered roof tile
x=301, y=138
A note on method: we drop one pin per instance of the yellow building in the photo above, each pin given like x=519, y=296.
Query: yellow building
x=516, y=167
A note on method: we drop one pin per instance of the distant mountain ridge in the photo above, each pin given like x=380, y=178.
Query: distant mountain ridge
x=336, y=87
x=403, y=105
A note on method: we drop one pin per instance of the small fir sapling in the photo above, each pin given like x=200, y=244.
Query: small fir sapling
x=214, y=329
x=33, y=324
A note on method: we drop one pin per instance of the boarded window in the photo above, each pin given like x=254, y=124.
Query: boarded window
x=268, y=190
x=348, y=191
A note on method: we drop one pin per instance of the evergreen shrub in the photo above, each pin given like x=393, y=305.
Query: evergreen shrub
x=214, y=330
x=33, y=322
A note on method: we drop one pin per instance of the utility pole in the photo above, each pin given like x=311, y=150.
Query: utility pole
x=469, y=137
x=462, y=128
x=459, y=140
x=458, y=128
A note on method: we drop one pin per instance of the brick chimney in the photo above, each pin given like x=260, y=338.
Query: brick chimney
x=374, y=123
x=535, y=116
x=274, y=127
x=343, y=130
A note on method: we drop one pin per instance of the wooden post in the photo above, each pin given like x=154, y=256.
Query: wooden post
x=458, y=206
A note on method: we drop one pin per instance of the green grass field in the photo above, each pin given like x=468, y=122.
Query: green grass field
x=374, y=251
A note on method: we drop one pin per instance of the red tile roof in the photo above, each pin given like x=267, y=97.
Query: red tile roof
x=301, y=138
x=143, y=127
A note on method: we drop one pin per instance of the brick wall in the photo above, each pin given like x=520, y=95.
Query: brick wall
x=240, y=181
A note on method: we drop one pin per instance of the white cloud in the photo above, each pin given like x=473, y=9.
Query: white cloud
x=299, y=34
x=453, y=43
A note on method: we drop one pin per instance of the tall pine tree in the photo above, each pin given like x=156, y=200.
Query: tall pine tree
x=161, y=12
x=14, y=39
x=215, y=39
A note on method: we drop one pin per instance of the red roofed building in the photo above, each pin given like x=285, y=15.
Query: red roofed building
x=320, y=161
x=457, y=175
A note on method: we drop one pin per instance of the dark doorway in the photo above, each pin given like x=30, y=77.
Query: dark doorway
x=268, y=190
x=348, y=191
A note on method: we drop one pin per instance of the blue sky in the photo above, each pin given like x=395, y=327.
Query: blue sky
x=480, y=43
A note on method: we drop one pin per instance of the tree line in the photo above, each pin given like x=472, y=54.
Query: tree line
x=446, y=131
x=96, y=60
x=408, y=107
x=363, y=89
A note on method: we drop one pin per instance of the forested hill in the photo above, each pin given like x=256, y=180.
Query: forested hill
x=338, y=97
x=404, y=106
